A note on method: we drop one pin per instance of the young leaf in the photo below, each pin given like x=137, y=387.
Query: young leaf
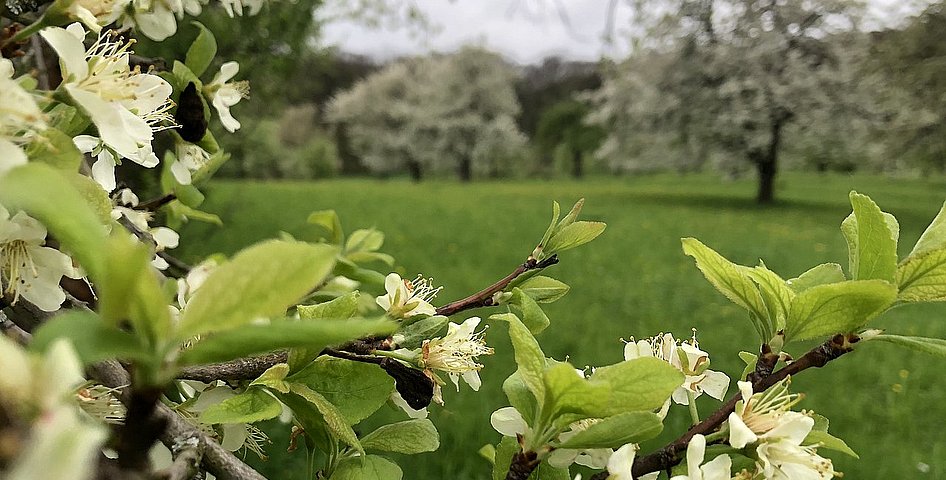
x=617, y=430
x=568, y=392
x=202, y=51
x=529, y=356
x=872, y=240
x=364, y=240
x=932, y=346
x=274, y=377
x=130, y=291
x=934, y=237
x=573, y=235
x=530, y=312
x=775, y=292
x=260, y=281
x=922, y=277
x=732, y=281
x=820, y=275
x=506, y=448
x=520, y=396
x=544, y=289
x=251, y=339
x=556, y=211
x=819, y=436
x=409, y=437
x=371, y=467
x=334, y=419
x=93, y=340
x=837, y=308
x=251, y=406
x=49, y=196
x=415, y=333
x=328, y=220
x=572, y=215
x=637, y=385
x=545, y=471
x=56, y=150
x=358, y=389
x=342, y=307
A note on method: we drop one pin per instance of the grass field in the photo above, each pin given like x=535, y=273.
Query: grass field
x=888, y=404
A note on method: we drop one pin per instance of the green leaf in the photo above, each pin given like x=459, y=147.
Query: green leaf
x=50, y=197
x=547, y=472
x=872, y=240
x=556, y=212
x=364, y=240
x=544, y=289
x=573, y=235
x=820, y=275
x=528, y=354
x=637, y=385
x=202, y=51
x=183, y=213
x=130, y=291
x=775, y=293
x=922, y=277
x=617, y=430
x=415, y=333
x=93, y=340
x=520, y=396
x=188, y=195
x=56, y=150
x=572, y=215
x=274, y=377
x=94, y=196
x=252, y=339
x=409, y=437
x=358, y=389
x=932, y=346
x=260, y=281
x=567, y=391
x=184, y=75
x=68, y=120
x=342, y=307
x=328, y=220
x=334, y=419
x=837, y=308
x=251, y=406
x=934, y=237
x=750, y=359
x=819, y=436
x=732, y=281
x=371, y=467
x=311, y=420
x=506, y=448
x=529, y=311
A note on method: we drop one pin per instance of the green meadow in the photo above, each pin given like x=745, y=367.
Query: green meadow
x=888, y=404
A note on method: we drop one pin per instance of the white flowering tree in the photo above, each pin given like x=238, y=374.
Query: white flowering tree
x=120, y=361
x=443, y=113
x=727, y=76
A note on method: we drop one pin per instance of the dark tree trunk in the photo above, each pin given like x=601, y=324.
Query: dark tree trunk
x=767, y=163
x=350, y=163
x=413, y=167
x=577, y=167
x=465, y=169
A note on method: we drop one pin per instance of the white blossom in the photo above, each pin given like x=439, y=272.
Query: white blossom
x=164, y=237
x=94, y=14
x=20, y=118
x=189, y=158
x=456, y=353
x=224, y=94
x=406, y=298
x=687, y=357
x=720, y=468
x=127, y=106
x=27, y=268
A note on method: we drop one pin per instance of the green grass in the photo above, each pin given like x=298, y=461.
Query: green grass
x=887, y=403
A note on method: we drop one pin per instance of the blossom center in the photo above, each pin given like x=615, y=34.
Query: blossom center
x=16, y=266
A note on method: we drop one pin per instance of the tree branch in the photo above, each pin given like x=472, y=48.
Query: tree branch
x=216, y=459
x=247, y=368
x=484, y=298
x=187, y=455
x=672, y=453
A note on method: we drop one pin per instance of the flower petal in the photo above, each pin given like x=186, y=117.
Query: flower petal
x=508, y=421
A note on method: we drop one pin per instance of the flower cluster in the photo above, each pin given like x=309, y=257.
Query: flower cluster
x=687, y=357
x=21, y=120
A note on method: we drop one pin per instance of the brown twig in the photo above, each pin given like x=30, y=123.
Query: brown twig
x=671, y=454
x=187, y=453
x=156, y=203
x=247, y=368
x=484, y=298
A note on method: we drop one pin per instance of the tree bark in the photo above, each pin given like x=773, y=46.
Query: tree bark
x=413, y=167
x=465, y=169
x=767, y=163
x=577, y=166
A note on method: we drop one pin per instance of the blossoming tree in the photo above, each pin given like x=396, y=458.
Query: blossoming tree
x=120, y=361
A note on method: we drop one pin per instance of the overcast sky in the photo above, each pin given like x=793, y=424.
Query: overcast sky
x=525, y=31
